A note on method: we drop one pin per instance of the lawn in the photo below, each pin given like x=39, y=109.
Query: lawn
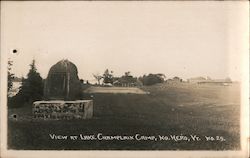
x=168, y=110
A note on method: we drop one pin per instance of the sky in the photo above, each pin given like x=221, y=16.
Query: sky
x=185, y=39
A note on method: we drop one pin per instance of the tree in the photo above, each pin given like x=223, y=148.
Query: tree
x=176, y=78
x=98, y=77
x=127, y=73
x=32, y=87
x=152, y=79
x=128, y=79
x=108, y=77
x=161, y=76
x=10, y=76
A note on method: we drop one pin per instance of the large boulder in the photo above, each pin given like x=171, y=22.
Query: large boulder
x=63, y=82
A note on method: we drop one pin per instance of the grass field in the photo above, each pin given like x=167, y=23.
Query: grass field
x=182, y=109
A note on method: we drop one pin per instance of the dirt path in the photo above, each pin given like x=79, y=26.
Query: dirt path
x=126, y=90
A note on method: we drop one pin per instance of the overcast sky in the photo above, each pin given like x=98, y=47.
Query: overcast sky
x=185, y=39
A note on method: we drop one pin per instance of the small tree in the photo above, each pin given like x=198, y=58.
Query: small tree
x=10, y=76
x=32, y=87
x=98, y=78
x=108, y=77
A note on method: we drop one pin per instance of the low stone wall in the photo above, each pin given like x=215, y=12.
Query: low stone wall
x=58, y=109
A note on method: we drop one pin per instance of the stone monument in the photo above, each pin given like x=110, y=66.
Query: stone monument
x=62, y=82
x=63, y=95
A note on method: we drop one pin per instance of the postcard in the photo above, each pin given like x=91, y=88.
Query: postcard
x=124, y=79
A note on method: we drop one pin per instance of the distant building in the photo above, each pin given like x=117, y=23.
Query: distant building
x=223, y=82
x=122, y=82
x=196, y=80
x=208, y=80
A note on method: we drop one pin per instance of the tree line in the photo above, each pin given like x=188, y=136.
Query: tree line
x=32, y=86
x=127, y=79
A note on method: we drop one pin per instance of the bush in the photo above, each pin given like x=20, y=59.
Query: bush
x=152, y=79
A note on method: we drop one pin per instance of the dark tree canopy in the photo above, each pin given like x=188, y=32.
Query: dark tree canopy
x=108, y=77
x=31, y=89
x=128, y=78
x=152, y=79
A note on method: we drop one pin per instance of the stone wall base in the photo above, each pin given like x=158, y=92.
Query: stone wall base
x=59, y=109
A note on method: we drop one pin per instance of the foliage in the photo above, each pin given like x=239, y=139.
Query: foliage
x=31, y=88
x=176, y=78
x=152, y=79
x=108, y=77
x=98, y=77
x=127, y=78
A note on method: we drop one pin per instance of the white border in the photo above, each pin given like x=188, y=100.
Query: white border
x=91, y=154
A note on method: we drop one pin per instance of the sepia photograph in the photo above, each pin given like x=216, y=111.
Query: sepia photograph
x=120, y=76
